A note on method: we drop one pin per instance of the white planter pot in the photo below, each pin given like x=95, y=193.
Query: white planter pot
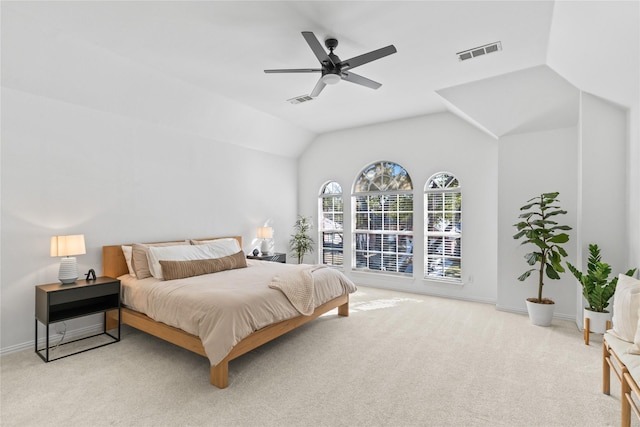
x=597, y=321
x=540, y=314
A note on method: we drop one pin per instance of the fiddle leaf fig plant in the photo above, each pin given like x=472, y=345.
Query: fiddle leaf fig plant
x=301, y=243
x=538, y=229
x=597, y=289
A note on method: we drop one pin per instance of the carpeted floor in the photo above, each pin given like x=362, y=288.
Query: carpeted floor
x=398, y=360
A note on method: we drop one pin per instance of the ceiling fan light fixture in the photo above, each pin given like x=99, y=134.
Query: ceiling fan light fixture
x=330, y=79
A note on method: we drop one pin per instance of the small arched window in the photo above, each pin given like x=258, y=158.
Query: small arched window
x=331, y=228
x=443, y=227
x=383, y=219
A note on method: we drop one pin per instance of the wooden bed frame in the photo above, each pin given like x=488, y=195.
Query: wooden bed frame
x=114, y=265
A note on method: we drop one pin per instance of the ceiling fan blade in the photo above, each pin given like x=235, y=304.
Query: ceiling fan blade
x=358, y=79
x=295, y=70
x=318, y=88
x=317, y=48
x=357, y=61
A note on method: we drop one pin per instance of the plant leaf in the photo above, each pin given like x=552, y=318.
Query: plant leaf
x=551, y=272
x=526, y=274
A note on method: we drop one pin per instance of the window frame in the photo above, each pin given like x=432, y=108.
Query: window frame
x=325, y=194
x=451, y=239
x=387, y=249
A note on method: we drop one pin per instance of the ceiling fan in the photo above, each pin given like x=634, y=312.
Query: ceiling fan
x=332, y=68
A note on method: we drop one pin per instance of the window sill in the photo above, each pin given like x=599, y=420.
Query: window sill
x=443, y=281
x=381, y=273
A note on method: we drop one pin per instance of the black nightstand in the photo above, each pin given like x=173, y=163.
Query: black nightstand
x=277, y=257
x=57, y=302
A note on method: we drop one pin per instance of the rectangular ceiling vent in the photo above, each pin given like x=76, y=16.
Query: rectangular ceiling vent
x=300, y=99
x=479, y=51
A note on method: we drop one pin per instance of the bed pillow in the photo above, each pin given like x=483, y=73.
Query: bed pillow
x=188, y=253
x=226, y=246
x=139, y=259
x=128, y=252
x=181, y=269
x=626, y=303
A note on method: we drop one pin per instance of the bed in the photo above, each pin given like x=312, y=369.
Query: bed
x=175, y=310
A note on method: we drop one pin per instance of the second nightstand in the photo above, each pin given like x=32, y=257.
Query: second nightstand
x=276, y=257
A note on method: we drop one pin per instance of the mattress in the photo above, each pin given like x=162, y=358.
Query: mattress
x=225, y=307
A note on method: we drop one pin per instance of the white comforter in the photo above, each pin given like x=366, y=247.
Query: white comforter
x=225, y=307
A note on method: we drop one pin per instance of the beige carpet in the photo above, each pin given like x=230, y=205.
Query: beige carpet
x=398, y=360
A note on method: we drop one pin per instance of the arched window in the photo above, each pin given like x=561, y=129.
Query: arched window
x=443, y=227
x=331, y=225
x=383, y=219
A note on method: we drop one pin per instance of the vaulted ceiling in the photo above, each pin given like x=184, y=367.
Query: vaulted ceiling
x=199, y=65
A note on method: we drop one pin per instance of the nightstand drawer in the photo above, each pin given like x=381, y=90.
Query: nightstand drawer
x=83, y=293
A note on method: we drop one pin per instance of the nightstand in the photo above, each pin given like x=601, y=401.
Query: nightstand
x=277, y=257
x=57, y=302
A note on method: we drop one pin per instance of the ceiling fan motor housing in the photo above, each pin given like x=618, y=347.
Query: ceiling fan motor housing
x=331, y=70
x=331, y=43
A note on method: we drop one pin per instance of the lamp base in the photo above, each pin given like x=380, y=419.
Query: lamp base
x=264, y=247
x=68, y=272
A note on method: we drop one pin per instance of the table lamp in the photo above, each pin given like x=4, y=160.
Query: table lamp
x=67, y=247
x=265, y=233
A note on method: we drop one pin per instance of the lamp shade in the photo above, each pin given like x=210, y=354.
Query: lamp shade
x=265, y=232
x=68, y=245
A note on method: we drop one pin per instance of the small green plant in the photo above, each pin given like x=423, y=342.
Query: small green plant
x=301, y=243
x=539, y=229
x=597, y=289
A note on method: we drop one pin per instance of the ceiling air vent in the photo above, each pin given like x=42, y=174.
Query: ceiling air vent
x=300, y=99
x=479, y=51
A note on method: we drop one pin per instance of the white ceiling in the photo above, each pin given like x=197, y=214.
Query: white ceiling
x=222, y=48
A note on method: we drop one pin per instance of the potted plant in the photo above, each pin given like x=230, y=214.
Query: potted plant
x=301, y=243
x=597, y=289
x=537, y=228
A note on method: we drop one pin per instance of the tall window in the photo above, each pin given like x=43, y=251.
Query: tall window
x=383, y=219
x=443, y=227
x=332, y=224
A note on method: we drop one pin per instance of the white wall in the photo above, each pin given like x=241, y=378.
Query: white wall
x=68, y=169
x=531, y=164
x=423, y=146
x=633, y=179
x=603, y=200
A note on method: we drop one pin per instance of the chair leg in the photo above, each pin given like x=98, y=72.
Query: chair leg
x=625, y=395
x=606, y=369
x=586, y=330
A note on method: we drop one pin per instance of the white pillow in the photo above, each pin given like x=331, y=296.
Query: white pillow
x=213, y=250
x=626, y=303
x=128, y=252
x=227, y=243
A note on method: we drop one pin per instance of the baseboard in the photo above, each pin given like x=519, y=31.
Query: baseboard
x=518, y=310
x=73, y=334
x=411, y=289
